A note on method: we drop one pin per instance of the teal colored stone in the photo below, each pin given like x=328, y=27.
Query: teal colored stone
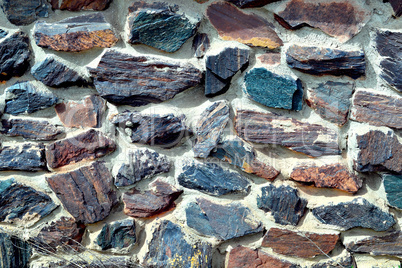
x=273, y=90
x=393, y=188
x=120, y=234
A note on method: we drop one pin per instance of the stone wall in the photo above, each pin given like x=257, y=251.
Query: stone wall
x=238, y=133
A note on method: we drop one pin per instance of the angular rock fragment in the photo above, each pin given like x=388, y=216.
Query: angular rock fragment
x=396, y=6
x=23, y=205
x=389, y=244
x=170, y=248
x=30, y=129
x=3, y=33
x=159, y=26
x=243, y=156
x=201, y=44
x=210, y=127
x=273, y=90
x=85, y=114
x=117, y=235
x=236, y=25
x=77, y=5
x=393, y=188
x=91, y=188
x=251, y=3
x=75, y=34
x=20, y=12
x=271, y=58
x=211, y=179
x=283, y=202
x=221, y=221
x=268, y=128
x=303, y=245
x=357, y=213
x=24, y=157
x=328, y=176
x=89, y=145
x=141, y=164
x=326, y=61
x=14, y=252
x=141, y=79
x=150, y=203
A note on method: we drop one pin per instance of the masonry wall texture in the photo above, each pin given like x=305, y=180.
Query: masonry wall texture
x=200, y=133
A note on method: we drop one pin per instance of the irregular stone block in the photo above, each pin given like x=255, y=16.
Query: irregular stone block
x=141, y=79
x=251, y=3
x=243, y=156
x=89, y=145
x=141, y=164
x=211, y=179
x=77, y=5
x=303, y=245
x=326, y=61
x=283, y=202
x=20, y=12
x=170, y=248
x=210, y=127
x=268, y=128
x=389, y=244
x=236, y=25
x=30, y=129
x=393, y=188
x=91, y=188
x=273, y=90
x=271, y=58
x=396, y=6
x=357, y=213
x=14, y=252
x=159, y=26
x=24, y=157
x=75, y=34
x=328, y=176
x=118, y=235
x=86, y=114
x=221, y=221
x=201, y=44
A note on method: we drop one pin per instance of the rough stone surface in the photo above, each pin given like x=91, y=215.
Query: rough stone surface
x=21, y=12
x=201, y=44
x=24, y=157
x=75, y=34
x=89, y=145
x=273, y=90
x=221, y=221
x=91, y=188
x=283, y=202
x=211, y=179
x=389, y=244
x=30, y=129
x=270, y=58
x=346, y=261
x=3, y=33
x=251, y=3
x=119, y=235
x=393, y=188
x=77, y=5
x=108, y=262
x=357, y=213
x=268, y=128
x=397, y=6
x=326, y=61
x=329, y=176
x=14, y=252
x=141, y=79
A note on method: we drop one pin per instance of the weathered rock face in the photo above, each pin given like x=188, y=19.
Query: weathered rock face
x=3, y=33
x=389, y=244
x=23, y=205
x=89, y=145
x=141, y=79
x=393, y=188
x=75, y=34
x=346, y=261
x=268, y=128
x=331, y=100
x=326, y=61
x=117, y=235
x=397, y=6
x=221, y=221
x=211, y=179
x=270, y=58
x=329, y=176
x=303, y=245
x=159, y=26
x=274, y=90
x=110, y=262
x=14, y=251
x=210, y=127
x=283, y=202
x=91, y=188
x=236, y=25
x=30, y=129
x=141, y=164
x=251, y=3
x=201, y=44
x=24, y=157
x=77, y=5
x=150, y=203
x=20, y=12
x=169, y=248
x=357, y=213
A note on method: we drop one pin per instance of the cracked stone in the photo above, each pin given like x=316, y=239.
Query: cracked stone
x=24, y=157
x=31, y=129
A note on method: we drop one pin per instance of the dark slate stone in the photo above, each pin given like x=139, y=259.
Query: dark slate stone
x=326, y=61
x=77, y=5
x=357, y=213
x=396, y=6
x=23, y=205
x=389, y=244
x=26, y=98
x=141, y=79
x=211, y=179
x=141, y=164
x=170, y=248
x=251, y=3
x=273, y=90
x=30, y=129
x=3, y=33
x=283, y=202
x=118, y=235
x=24, y=157
x=14, y=252
x=158, y=25
x=14, y=55
x=393, y=188
x=221, y=221
x=21, y=12
x=200, y=44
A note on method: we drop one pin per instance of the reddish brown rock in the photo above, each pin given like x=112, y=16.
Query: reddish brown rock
x=30, y=129
x=303, y=245
x=271, y=58
x=251, y=3
x=76, y=5
x=85, y=146
x=249, y=29
x=328, y=176
x=389, y=244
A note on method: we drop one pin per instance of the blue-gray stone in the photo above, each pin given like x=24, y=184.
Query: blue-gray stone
x=14, y=252
x=25, y=157
x=118, y=235
x=22, y=12
x=393, y=188
x=273, y=90
x=3, y=33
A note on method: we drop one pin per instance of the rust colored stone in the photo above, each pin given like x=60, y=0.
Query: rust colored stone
x=77, y=5
x=271, y=58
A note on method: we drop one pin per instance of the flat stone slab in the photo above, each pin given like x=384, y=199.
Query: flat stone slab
x=14, y=251
x=30, y=129
x=23, y=157
x=251, y=3
x=389, y=244
x=20, y=12
x=393, y=188
x=77, y=5
x=141, y=79
x=201, y=44
x=356, y=213
x=268, y=128
x=75, y=34
x=117, y=235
